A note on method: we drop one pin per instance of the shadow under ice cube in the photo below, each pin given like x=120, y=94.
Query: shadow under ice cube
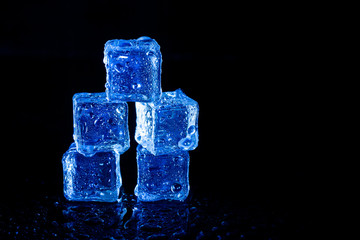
x=169, y=124
x=163, y=177
x=133, y=69
x=95, y=178
x=99, y=124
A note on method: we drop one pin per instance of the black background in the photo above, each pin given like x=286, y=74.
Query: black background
x=244, y=64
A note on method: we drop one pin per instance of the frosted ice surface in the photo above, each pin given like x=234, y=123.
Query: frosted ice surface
x=133, y=69
x=163, y=177
x=169, y=124
x=95, y=178
x=99, y=124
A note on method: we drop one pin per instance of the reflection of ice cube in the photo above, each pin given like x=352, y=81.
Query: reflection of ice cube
x=169, y=124
x=133, y=69
x=99, y=124
x=95, y=178
x=92, y=220
x=162, y=220
x=162, y=177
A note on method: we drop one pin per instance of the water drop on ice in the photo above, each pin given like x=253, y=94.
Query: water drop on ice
x=191, y=130
x=176, y=187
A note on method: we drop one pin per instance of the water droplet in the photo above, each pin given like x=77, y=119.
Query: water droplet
x=150, y=53
x=119, y=110
x=185, y=143
x=136, y=85
x=83, y=127
x=119, y=68
x=178, y=158
x=176, y=187
x=171, y=94
x=148, y=114
x=145, y=39
x=99, y=121
x=191, y=130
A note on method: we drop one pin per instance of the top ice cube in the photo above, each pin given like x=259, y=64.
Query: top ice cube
x=133, y=69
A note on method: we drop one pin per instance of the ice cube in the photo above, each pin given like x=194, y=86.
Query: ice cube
x=169, y=124
x=95, y=178
x=133, y=69
x=163, y=177
x=99, y=124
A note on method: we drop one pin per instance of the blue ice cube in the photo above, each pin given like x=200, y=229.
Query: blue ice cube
x=133, y=69
x=163, y=177
x=99, y=124
x=95, y=178
x=169, y=124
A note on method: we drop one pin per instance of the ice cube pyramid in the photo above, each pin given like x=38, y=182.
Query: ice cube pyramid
x=166, y=129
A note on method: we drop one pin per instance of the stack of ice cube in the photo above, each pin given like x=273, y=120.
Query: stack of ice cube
x=166, y=129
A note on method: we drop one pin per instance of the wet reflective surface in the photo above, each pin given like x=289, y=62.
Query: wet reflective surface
x=200, y=217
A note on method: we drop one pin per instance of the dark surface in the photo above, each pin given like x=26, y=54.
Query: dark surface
x=255, y=170
x=50, y=217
